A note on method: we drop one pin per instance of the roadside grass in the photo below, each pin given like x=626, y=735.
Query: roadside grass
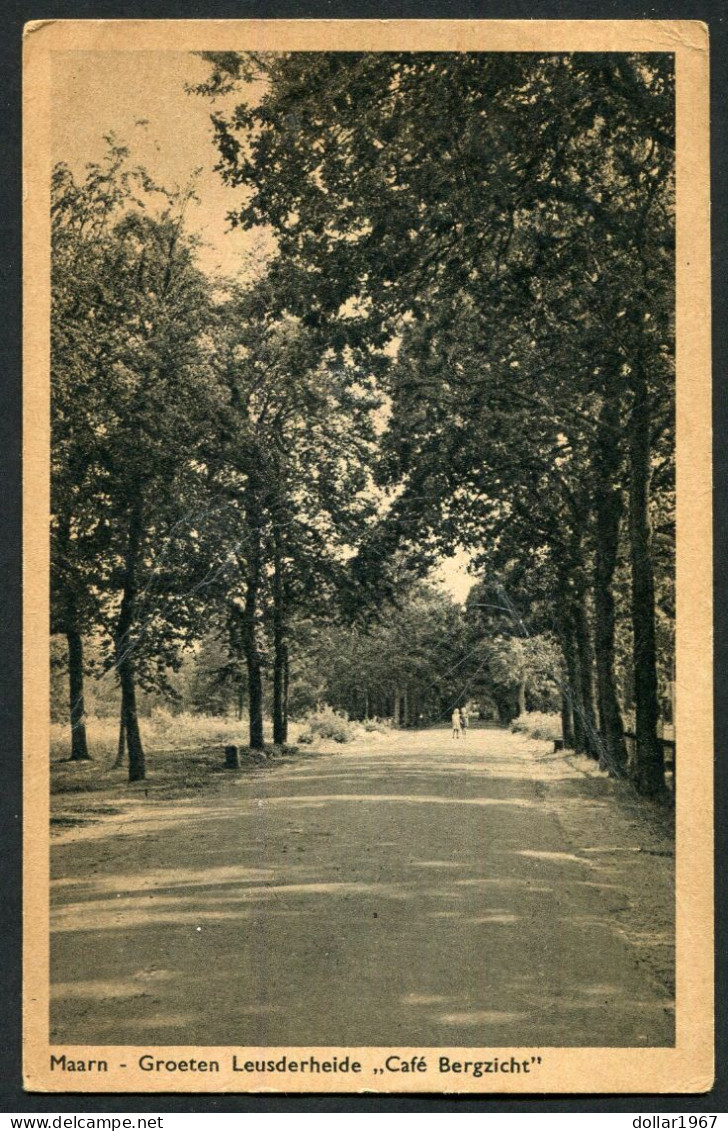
x=160, y=731
x=185, y=752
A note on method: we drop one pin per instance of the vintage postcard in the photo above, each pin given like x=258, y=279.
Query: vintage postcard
x=368, y=681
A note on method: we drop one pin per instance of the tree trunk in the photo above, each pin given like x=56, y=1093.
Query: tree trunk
x=504, y=706
x=572, y=692
x=280, y=646
x=280, y=714
x=286, y=686
x=124, y=645
x=649, y=759
x=608, y=515
x=255, y=699
x=613, y=754
x=79, y=747
x=137, y=766
x=567, y=721
x=585, y=654
x=253, y=657
x=522, y=695
x=121, y=745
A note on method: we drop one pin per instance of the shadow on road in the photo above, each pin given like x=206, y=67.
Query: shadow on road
x=413, y=893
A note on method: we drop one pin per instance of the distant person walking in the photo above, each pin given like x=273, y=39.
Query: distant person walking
x=456, y=723
x=463, y=723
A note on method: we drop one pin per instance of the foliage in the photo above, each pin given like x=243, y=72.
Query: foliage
x=413, y=647
x=129, y=381
x=501, y=227
x=131, y=397
x=465, y=338
x=537, y=724
x=325, y=723
x=375, y=726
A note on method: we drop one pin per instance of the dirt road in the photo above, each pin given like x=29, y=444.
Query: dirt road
x=412, y=891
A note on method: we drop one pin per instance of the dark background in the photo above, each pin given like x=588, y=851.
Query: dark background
x=15, y=14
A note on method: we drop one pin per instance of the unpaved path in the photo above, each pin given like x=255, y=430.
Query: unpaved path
x=412, y=891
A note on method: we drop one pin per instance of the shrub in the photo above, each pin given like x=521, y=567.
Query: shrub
x=381, y=725
x=328, y=724
x=538, y=724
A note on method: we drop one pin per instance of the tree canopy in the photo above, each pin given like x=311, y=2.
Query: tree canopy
x=462, y=338
x=502, y=227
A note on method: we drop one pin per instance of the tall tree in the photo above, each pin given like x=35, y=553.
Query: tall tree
x=79, y=530
x=292, y=453
x=130, y=345
x=493, y=192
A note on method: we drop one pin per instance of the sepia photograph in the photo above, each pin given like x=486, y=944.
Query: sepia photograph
x=368, y=607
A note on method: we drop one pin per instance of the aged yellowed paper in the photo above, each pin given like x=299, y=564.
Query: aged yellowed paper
x=367, y=464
